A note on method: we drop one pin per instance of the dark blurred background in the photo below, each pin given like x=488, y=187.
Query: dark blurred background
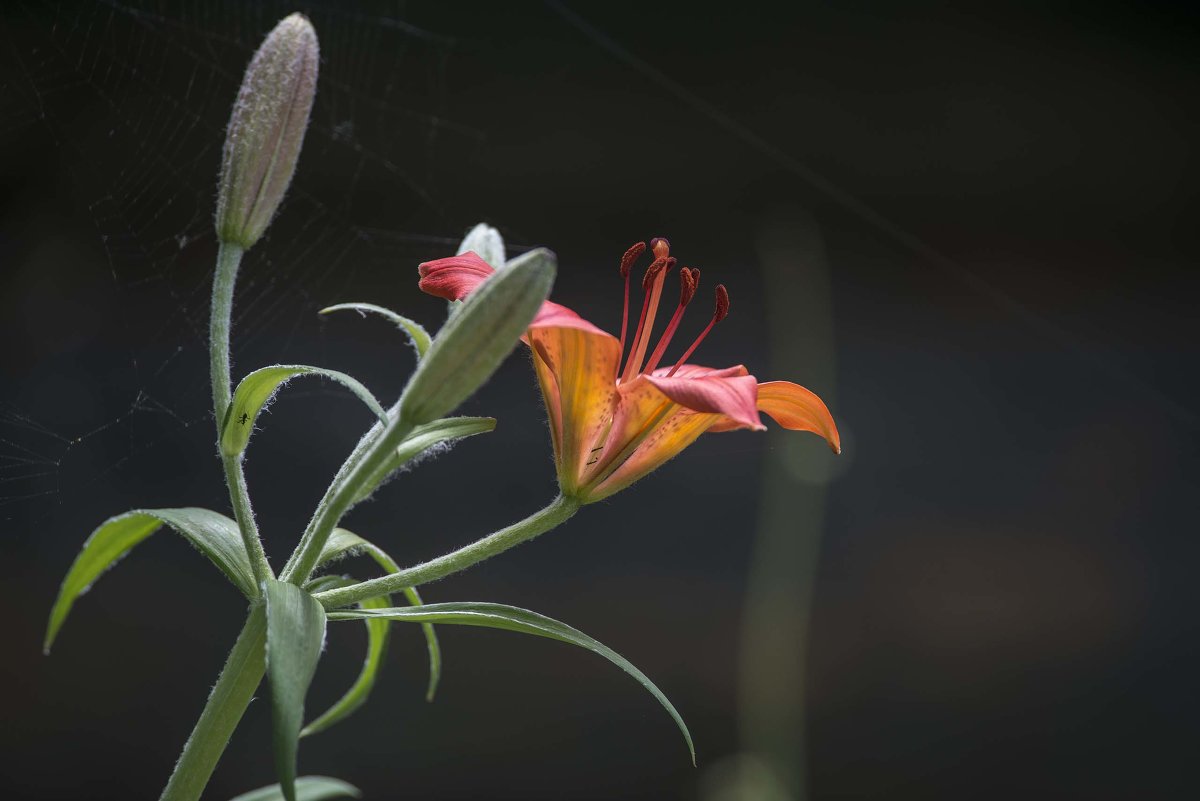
x=971, y=231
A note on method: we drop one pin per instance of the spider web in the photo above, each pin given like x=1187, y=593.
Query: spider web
x=131, y=100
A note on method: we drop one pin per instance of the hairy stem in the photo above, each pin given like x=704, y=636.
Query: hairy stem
x=229, y=257
x=227, y=703
x=372, y=452
x=558, y=512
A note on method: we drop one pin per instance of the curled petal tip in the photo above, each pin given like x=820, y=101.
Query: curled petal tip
x=798, y=409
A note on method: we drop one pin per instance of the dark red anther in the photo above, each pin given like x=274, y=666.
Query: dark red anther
x=655, y=269
x=689, y=282
x=719, y=313
x=630, y=257
x=722, y=310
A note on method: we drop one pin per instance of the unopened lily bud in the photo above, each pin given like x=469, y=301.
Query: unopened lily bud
x=475, y=340
x=486, y=243
x=266, y=131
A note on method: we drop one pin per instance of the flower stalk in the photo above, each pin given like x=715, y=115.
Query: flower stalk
x=558, y=512
x=229, y=257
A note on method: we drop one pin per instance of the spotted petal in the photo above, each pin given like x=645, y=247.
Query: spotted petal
x=575, y=367
x=648, y=429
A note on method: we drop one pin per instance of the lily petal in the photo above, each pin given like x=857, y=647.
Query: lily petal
x=575, y=366
x=651, y=427
x=554, y=315
x=730, y=392
x=796, y=408
x=667, y=429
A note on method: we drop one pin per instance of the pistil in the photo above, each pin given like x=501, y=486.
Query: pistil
x=627, y=261
x=689, y=281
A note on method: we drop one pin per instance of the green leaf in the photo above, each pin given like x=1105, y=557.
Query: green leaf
x=308, y=788
x=511, y=618
x=422, y=439
x=356, y=696
x=213, y=534
x=256, y=390
x=417, y=335
x=343, y=543
x=478, y=337
x=295, y=634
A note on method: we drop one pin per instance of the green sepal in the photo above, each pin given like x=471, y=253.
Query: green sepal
x=295, y=636
x=343, y=543
x=422, y=439
x=213, y=534
x=417, y=334
x=308, y=788
x=478, y=337
x=256, y=390
x=511, y=618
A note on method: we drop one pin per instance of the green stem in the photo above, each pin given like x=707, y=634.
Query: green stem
x=227, y=703
x=229, y=258
x=239, y=496
x=558, y=512
x=375, y=448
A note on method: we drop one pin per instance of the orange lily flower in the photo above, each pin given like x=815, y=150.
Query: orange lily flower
x=613, y=424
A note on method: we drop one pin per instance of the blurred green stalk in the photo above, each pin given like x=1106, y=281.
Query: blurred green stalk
x=777, y=608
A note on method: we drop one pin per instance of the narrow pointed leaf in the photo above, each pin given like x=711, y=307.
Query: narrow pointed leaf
x=213, y=534
x=295, y=635
x=417, y=335
x=256, y=390
x=308, y=788
x=343, y=543
x=377, y=638
x=511, y=618
x=424, y=439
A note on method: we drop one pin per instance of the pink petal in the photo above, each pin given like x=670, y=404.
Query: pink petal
x=553, y=315
x=725, y=392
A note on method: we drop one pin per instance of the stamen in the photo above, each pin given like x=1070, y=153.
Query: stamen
x=719, y=313
x=652, y=285
x=689, y=280
x=627, y=261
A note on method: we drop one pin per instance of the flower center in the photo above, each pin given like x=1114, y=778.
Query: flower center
x=652, y=284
